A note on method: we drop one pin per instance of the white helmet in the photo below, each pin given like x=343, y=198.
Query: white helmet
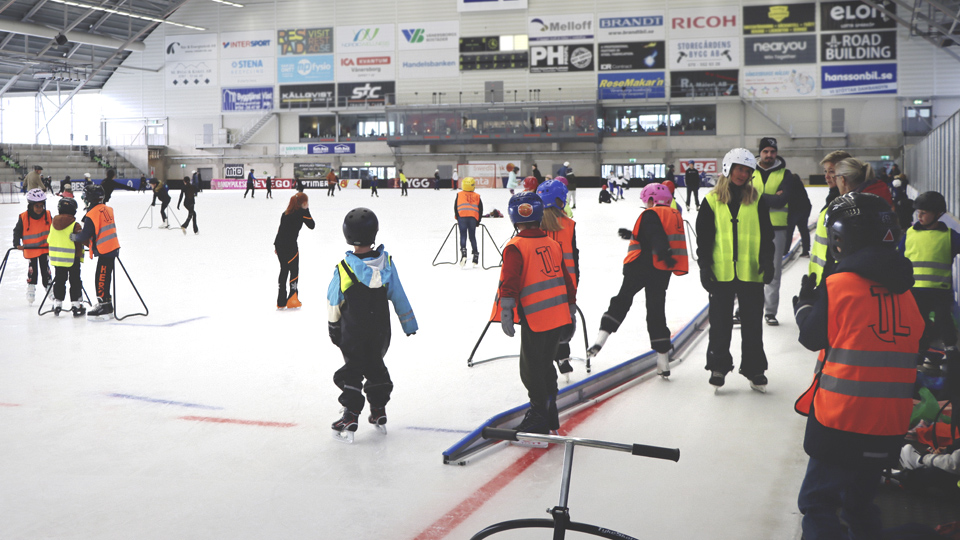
x=86, y=175
x=740, y=156
x=566, y=163
x=36, y=195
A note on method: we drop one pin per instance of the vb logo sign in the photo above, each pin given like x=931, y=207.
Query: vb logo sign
x=414, y=36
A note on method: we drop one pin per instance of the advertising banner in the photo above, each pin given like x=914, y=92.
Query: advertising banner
x=234, y=170
x=704, y=22
x=312, y=171
x=429, y=35
x=855, y=15
x=490, y=5
x=365, y=67
x=480, y=44
x=190, y=47
x=780, y=19
x=247, y=71
x=708, y=167
x=293, y=149
x=787, y=49
x=704, y=53
x=632, y=85
x=431, y=64
x=246, y=99
x=328, y=149
x=421, y=183
x=518, y=60
x=779, y=82
x=858, y=46
x=260, y=183
x=304, y=41
x=371, y=93
x=859, y=79
x=366, y=38
x=199, y=74
x=304, y=69
x=704, y=83
x=247, y=44
x=561, y=58
x=307, y=96
x=631, y=56
x=639, y=26
x=552, y=28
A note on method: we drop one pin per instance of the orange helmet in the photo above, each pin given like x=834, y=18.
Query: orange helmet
x=670, y=185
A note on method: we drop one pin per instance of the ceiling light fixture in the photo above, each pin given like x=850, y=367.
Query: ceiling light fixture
x=124, y=13
x=227, y=3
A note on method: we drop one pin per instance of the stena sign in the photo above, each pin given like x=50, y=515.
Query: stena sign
x=253, y=43
x=704, y=22
x=551, y=28
x=366, y=38
x=639, y=26
x=247, y=71
x=855, y=16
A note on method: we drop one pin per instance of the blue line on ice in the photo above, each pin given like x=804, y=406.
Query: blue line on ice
x=166, y=402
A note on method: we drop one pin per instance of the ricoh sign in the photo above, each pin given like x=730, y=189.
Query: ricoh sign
x=704, y=22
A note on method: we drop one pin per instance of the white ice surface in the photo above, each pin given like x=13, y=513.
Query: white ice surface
x=78, y=462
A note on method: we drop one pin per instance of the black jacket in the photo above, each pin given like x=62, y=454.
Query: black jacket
x=707, y=231
x=290, y=225
x=772, y=200
x=691, y=178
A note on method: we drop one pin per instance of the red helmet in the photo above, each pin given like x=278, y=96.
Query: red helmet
x=670, y=185
x=530, y=183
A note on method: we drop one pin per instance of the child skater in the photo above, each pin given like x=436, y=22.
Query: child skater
x=359, y=323
x=562, y=229
x=657, y=249
x=30, y=236
x=467, y=210
x=160, y=191
x=285, y=246
x=66, y=256
x=100, y=229
x=535, y=282
x=188, y=196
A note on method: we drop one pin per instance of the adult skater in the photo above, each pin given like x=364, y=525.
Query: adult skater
x=359, y=323
x=771, y=179
x=188, y=196
x=373, y=187
x=110, y=183
x=691, y=179
x=819, y=255
x=563, y=231
x=467, y=210
x=657, y=249
x=453, y=179
x=403, y=183
x=161, y=192
x=100, y=229
x=30, y=236
x=285, y=247
x=734, y=217
x=331, y=183
x=251, y=186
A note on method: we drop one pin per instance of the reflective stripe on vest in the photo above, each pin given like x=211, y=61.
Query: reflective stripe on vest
x=930, y=253
x=564, y=237
x=868, y=374
x=468, y=205
x=744, y=264
x=543, y=291
x=778, y=216
x=672, y=223
x=819, y=252
x=106, y=229
x=63, y=251
x=35, y=232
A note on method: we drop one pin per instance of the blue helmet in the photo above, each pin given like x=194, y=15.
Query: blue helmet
x=525, y=207
x=550, y=191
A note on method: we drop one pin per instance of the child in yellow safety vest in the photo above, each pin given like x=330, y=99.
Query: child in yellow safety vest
x=30, y=236
x=66, y=256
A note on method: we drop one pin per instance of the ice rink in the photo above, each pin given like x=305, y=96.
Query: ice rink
x=210, y=418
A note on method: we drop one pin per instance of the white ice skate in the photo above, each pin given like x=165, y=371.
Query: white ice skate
x=31, y=292
x=165, y=225
x=57, y=307
x=663, y=365
x=759, y=383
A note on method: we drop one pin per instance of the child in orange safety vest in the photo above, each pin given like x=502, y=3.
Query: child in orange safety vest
x=30, y=236
x=468, y=210
x=658, y=248
x=536, y=285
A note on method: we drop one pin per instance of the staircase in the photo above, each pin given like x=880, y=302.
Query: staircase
x=252, y=130
x=59, y=161
x=762, y=108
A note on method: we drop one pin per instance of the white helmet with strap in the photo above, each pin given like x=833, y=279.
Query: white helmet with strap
x=740, y=156
x=36, y=195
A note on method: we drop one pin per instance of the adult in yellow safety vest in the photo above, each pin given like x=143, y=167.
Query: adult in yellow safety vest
x=820, y=259
x=774, y=182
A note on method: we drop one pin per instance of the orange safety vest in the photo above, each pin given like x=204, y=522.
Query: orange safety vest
x=564, y=237
x=543, y=291
x=865, y=382
x=672, y=222
x=106, y=229
x=35, y=232
x=468, y=205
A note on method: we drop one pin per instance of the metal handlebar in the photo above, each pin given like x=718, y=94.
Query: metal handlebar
x=657, y=452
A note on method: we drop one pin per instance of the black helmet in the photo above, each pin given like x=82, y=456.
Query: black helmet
x=360, y=227
x=67, y=206
x=859, y=220
x=930, y=201
x=93, y=195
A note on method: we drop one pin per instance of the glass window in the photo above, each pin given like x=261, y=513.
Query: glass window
x=363, y=126
x=318, y=127
x=694, y=119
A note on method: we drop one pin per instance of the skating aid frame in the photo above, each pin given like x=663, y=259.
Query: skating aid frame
x=484, y=234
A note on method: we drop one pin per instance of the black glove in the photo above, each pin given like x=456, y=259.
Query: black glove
x=669, y=260
x=625, y=233
x=570, y=330
x=411, y=334
x=767, y=272
x=334, y=330
x=707, y=279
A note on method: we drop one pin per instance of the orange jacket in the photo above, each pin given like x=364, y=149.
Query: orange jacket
x=566, y=237
x=468, y=205
x=106, y=238
x=543, y=290
x=672, y=222
x=35, y=232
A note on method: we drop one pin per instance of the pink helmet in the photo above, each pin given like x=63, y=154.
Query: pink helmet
x=562, y=180
x=658, y=192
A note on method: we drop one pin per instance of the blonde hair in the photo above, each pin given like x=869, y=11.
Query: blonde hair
x=722, y=189
x=854, y=172
x=551, y=219
x=835, y=157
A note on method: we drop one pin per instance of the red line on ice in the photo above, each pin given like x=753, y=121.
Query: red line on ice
x=443, y=526
x=234, y=421
x=9, y=404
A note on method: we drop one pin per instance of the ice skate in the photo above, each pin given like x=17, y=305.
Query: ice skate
x=533, y=422
x=717, y=379
x=77, y=309
x=57, y=307
x=463, y=257
x=293, y=302
x=31, y=292
x=102, y=311
x=378, y=417
x=476, y=259
x=564, y=367
x=346, y=426
x=165, y=225
x=183, y=230
x=759, y=383
x=663, y=365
